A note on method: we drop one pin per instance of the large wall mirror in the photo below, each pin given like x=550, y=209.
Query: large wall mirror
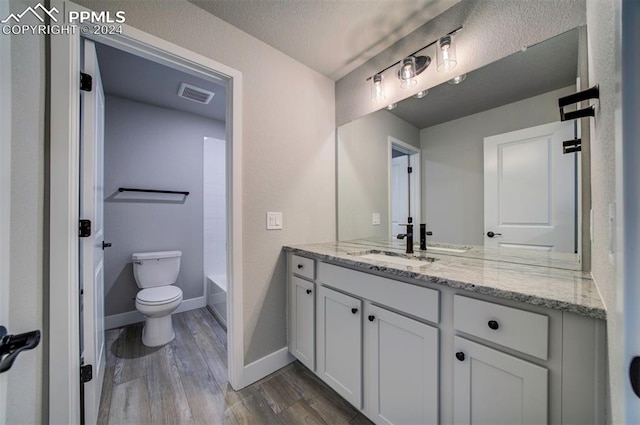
x=487, y=153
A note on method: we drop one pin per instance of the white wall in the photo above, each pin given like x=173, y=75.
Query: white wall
x=153, y=148
x=363, y=172
x=492, y=29
x=288, y=153
x=26, y=256
x=214, y=211
x=453, y=164
x=602, y=56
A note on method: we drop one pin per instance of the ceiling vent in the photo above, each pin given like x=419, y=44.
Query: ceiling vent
x=196, y=94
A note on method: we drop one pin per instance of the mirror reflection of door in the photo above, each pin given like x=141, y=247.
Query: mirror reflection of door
x=530, y=189
x=404, y=186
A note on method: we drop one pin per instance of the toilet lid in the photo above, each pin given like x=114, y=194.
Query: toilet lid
x=159, y=294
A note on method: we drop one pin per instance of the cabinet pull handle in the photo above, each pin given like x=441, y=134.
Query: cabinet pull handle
x=372, y=317
x=354, y=310
x=460, y=356
x=300, y=266
x=493, y=325
x=309, y=291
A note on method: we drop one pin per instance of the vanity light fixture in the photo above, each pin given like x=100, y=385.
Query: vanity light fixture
x=446, y=53
x=391, y=106
x=421, y=94
x=458, y=79
x=377, y=88
x=411, y=66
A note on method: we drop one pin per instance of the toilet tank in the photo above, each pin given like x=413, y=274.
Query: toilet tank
x=159, y=268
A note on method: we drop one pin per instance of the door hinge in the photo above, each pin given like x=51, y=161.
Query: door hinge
x=409, y=170
x=86, y=82
x=84, y=230
x=86, y=373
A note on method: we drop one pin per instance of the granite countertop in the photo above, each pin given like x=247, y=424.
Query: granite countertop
x=530, y=281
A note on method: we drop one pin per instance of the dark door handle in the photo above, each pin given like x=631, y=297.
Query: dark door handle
x=371, y=317
x=105, y=245
x=309, y=291
x=493, y=325
x=492, y=234
x=460, y=356
x=12, y=345
x=354, y=310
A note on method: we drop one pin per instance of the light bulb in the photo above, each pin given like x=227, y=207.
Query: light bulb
x=377, y=88
x=446, y=54
x=407, y=72
x=391, y=106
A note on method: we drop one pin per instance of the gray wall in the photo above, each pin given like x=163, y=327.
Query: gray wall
x=363, y=172
x=602, y=60
x=288, y=133
x=453, y=164
x=492, y=29
x=26, y=379
x=153, y=148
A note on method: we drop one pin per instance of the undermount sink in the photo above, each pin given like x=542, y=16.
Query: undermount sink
x=396, y=259
x=443, y=249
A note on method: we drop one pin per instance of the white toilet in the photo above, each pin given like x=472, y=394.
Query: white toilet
x=155, y=274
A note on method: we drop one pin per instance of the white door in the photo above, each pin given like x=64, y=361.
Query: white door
x=530, y=189
x=302, y=323
x=5, y=191
x=399, y=194
x=339, y=336
x=402, y=374
x=490, y=387
x=91, y=248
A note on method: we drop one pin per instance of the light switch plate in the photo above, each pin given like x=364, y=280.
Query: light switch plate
x=274, y=221
x=375, y=219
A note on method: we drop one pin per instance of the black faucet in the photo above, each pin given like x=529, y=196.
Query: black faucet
x=409, y=236
x=423, y=236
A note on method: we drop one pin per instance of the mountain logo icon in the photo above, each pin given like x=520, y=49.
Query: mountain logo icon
x=34, y=12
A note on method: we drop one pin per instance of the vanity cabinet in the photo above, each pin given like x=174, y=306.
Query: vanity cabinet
x=491, y=387
x=401, y=378
x=339, y=333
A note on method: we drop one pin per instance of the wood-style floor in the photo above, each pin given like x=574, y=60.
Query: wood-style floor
x=185, y=382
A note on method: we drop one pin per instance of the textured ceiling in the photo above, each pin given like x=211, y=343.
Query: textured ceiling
x=132, y=77
x=547, y=66
x=332, y=37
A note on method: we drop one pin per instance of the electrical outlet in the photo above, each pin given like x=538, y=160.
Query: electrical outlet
x=375, y=219
x=274, y=221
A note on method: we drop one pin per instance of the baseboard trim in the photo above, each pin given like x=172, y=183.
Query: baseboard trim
x=130, y=317
x=267, y=365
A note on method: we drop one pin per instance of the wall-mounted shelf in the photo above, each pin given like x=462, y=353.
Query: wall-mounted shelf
x=129, y=194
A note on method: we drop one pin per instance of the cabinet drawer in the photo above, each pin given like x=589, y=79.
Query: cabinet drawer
x=303, y=266
x=518, y=329
x=400, y=296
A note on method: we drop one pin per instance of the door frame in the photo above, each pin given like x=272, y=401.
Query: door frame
x=64, y=353
x=415, y=161
x=5, y=191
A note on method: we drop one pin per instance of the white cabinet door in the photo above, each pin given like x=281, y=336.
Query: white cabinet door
x=491, y=387
x=302, y=337
x=339, y=337
x=402, y=373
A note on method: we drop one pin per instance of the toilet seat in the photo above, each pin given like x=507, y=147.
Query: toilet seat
x=159, y=295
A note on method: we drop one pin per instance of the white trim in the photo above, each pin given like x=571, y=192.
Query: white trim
x=416, y=180
x=123, y=319
x=64, y=388
x=5, y=191
x=267, y=365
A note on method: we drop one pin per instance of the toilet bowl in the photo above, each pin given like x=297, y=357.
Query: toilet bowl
x=155, y=273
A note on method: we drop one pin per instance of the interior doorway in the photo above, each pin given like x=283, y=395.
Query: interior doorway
x=64, y=360
x=404, y=186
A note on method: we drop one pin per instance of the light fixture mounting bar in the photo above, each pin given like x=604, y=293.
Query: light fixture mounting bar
x=417, y=51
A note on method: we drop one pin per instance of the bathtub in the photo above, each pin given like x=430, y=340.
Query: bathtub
x=217, y=298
